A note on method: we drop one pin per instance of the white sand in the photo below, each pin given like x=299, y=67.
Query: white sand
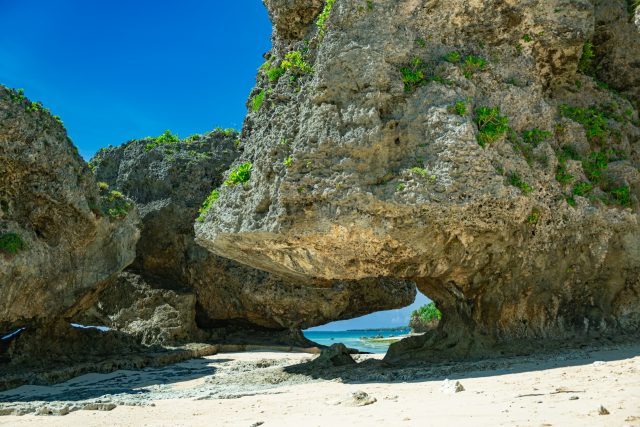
x=553, y=392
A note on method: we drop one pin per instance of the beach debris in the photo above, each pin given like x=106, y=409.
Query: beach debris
x=574, y=398
x=451, y=387
x=336, y=355
x=257, y=423
x=603, y=411
x=360, y=398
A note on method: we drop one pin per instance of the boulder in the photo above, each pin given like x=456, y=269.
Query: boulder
x=62, y=239
x=459, y=144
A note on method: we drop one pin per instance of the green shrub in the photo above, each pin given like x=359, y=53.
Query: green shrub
x=257, y=100
x=167, y=137
x=592, y=119
x=535, y=136
x=114, y=204
x=562, y=175
x=585, y=66
x=275, y=73
x=11, y=243
x=472, y=64
x=288, y=161
x=295, y=62
x=453, y=57
x=427, y=313
x=423, y=172
x=321, y=23
x=582, y=188
x=533, y=217
x=622, y=196
x=491, y=125
x=595, y=165
x=207, y=204
x=239, y=175
x=413, y=75
x=517, y=181
x=459, y=108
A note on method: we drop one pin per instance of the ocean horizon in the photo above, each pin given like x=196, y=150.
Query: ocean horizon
x=353, y=338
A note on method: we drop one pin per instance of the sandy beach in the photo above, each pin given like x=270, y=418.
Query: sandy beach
x=249, y=389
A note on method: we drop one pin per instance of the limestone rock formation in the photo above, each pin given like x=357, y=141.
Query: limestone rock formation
x=61, y=239
x=465, y=145
x=175, y=291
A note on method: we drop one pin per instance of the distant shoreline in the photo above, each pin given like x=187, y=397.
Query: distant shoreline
x=377, y=329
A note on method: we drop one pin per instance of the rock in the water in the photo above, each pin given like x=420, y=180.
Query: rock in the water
x=451, y=387
x=61, y=238
x=169, y=182
x=463, y=145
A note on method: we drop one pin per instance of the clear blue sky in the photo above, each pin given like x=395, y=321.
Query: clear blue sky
x=123, y=69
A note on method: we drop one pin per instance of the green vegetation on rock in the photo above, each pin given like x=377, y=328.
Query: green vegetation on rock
x=321, y=23
x=585, y=66
x=473, y=64
x=167, y=137
x=413, y=75
x=491, y=125
x=18, y=97
x=257, y=100
x=240, y=175
x=459, y=108
x=535, y=136
x=11, y=243
x=294, y=61
x=517, y=181
x=207, y=204
x=582, y=188
x=114, y=203
x=453, y=57
x=621, y=196
x=592, y=119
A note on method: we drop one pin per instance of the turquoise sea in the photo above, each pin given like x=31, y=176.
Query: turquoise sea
x=353, y=338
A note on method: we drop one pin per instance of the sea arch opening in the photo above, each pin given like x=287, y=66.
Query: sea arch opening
x=375, y=332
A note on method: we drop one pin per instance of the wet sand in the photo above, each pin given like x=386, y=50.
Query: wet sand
x=245, y=389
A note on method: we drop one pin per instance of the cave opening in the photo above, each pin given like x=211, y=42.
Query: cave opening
x=375, y=332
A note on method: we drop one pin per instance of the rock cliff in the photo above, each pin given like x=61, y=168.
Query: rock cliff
x=487, y=150
x=177, y=291
x=61, y=238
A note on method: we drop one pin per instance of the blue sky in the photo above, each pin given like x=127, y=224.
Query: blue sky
x=381, y=319
x=121, y=69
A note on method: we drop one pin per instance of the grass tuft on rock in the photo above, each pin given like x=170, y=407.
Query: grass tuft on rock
x=11, y=243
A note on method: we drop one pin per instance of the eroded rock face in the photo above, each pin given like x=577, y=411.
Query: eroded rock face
x=617, y=41
x=59, y=243
x=206, y=292
x=370, y=165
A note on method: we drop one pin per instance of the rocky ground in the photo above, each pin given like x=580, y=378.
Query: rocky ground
x=578, y=387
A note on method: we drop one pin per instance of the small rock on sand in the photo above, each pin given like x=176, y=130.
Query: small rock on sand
x=451, y=387
x=360, y=398
x=603, y=411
